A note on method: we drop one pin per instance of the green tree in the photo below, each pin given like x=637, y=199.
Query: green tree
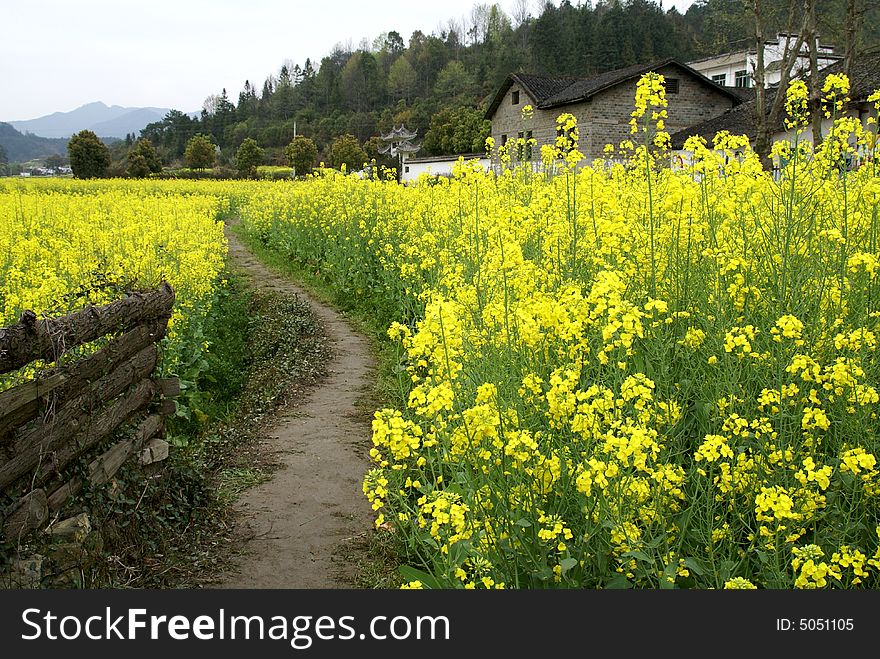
x=453, y=131
x=53, y=161
x=172, y=132
x=402, y=79
x=361, y=82
x=345, y=150
x=248, y=157
x=200, y=152
x=137, y=166
x=89, y=156
x=142, y=160
x=455, y=84
x=302, y=154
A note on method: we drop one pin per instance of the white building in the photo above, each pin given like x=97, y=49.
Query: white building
x=437, y=165
x=737, y=69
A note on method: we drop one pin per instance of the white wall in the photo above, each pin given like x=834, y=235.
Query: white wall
x=412, y=170
x=747, y=60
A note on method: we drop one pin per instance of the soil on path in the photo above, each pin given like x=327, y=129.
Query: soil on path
x=313, y=506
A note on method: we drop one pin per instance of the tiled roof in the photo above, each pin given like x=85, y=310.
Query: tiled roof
x=553, y=91
x=864, y=75
x=741, y=120
x=583, y=88
x=540, y=88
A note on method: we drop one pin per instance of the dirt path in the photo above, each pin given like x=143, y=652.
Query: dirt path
x=300, y=519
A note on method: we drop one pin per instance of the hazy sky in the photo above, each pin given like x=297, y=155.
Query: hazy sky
x=56, y=55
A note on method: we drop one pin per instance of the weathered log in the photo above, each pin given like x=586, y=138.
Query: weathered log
x=60, y=496
x=72, y=529
x=167, y=407
x=169, y=387
x=99, y=428
x=16, y=419
x=21, y=404
x=156, y=450
x=29, y=513
x=55, y=446
x=12, y=400
x=47, y=339
x=105, y=466
x=68, y=418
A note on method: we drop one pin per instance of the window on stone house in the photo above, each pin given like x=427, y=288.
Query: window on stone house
x=720, y=79
x=503, y=140
x=741, y=79
x=671, y=85
x=514, y=97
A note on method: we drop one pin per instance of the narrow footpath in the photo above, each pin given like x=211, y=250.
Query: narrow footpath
x=300, y=521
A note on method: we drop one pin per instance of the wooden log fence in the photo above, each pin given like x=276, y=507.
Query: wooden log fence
x=68, y=410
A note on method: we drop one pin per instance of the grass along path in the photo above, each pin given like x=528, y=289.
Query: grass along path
x=305, y=518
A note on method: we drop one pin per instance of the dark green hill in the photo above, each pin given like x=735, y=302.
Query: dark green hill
x=23, y=147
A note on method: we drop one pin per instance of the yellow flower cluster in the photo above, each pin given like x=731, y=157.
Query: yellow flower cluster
x=619, y=374
x=65, y=244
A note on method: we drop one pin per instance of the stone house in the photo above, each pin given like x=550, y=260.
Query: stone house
x=602, y=105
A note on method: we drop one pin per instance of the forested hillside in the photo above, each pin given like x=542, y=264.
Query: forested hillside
x=439, y=83
x=18, y=147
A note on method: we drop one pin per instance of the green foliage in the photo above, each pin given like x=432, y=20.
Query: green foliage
x=402, y=79
x=274, y=172
x=346, y=151
x=221, y=376
x=89, y=156
x=200, y=152
x=462, y=130
x=365, y=91
x=248, y=157
x=302, y=154
x=143, y=160
x=171, y=134
x=54, y=161
x=455, y=84
x=217, y=173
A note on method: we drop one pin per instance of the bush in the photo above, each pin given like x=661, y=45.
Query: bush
x=89, y=156
x=248, y=157
x=302, y=154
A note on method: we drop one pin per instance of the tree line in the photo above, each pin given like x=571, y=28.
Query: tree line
x=439, y=84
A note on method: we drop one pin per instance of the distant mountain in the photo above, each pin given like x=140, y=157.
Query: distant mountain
x=103, y=120
x=130, y=122
x=21, y=148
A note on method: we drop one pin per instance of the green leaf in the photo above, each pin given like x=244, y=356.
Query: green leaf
x=523, y=522
x=618, y=582
x=410, y=573
x=639, y=555
x=695, y=566
x=667, y=581
x=458, y=553
x=567, y=563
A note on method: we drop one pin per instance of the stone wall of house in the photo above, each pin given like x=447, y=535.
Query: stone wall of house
x=605, y=118
x=607, y=121
x=508, y=120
